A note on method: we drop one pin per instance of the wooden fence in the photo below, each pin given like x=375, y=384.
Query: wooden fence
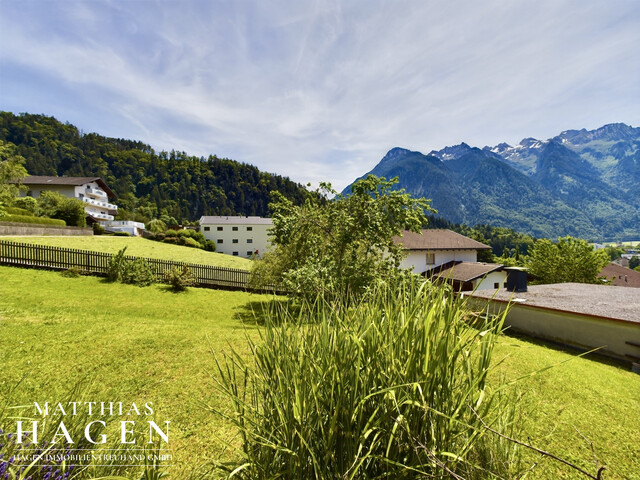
x=96, y=263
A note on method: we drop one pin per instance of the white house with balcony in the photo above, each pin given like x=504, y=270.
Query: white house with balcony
x=448, y=256
x=237, y=235
x=95, y=194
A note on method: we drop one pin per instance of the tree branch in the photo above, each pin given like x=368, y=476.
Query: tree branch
x=542, y=452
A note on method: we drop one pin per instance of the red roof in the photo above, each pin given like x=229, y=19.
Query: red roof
x=622, y=276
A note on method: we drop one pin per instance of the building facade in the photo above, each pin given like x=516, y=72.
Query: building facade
x=95, y=194
x=448, y=256
x=240, y=236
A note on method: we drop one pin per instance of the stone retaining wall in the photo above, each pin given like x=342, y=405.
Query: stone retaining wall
x=33, y=229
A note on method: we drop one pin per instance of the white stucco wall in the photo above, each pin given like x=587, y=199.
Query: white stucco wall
x=488, y=282
x=579, y=330
x=253, y=240
x=35, y=190
x=418, y=258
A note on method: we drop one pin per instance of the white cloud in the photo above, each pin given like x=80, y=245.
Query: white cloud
x=320, y=90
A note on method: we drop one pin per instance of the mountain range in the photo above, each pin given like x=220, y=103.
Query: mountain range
x=584, y=183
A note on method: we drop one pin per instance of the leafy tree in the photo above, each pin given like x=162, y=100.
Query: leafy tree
x=569, y=260
x=634, y=262
x=614, y=251
x=55, y=205
x=168, y=221
x=11, y=171
x=340, y=246
x=156, y=226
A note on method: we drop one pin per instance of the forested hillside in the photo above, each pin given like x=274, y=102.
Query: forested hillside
x=148, y=184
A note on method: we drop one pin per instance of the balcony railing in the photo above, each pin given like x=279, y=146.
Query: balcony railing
x=108, y=206
x=95, y=192
x=101, y=216
x=122, y=223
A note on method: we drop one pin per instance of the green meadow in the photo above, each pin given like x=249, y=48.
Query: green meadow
x=134, y=344
x=138, y=247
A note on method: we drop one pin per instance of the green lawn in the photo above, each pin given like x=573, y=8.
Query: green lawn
x=147, y=344
x=139, y=247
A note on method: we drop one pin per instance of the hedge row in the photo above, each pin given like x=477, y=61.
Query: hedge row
x=36, y=220
x=18, y=211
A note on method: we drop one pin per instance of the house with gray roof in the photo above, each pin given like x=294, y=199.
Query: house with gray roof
x=448, y=256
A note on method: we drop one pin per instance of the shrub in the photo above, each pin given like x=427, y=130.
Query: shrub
x=171, y=240
x=159, y=236
x=18, y=211
x=179, y=278
x=114, y=267
x=33, y=220
x=391, y=387
x=121, y=234
x=55, y=205
x=98, y=229
x=190, y=233
x=210, y=245
x=190, y=242
x=137, y=272
x=171, y=233
x=27, y=203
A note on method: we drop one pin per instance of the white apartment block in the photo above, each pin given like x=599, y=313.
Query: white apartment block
x=238, y=236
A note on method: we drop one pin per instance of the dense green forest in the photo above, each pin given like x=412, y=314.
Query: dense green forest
x=504, y=242
x=148, y=184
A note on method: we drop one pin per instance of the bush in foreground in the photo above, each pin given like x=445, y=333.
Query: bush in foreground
x=137, y=272
x=392, y=387
x=179, y=279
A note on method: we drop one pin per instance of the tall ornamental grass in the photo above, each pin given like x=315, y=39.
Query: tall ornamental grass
x=391, y=387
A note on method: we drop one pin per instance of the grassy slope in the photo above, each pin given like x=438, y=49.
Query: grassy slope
x=576, y=402
x=139, y=247
x=151, y=345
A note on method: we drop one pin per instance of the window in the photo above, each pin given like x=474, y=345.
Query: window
x=235, y=240
x=219, y=240
x=249, y=240
x=235, y=229
x=249, y=253
x=206, y=229
x=431, y=258
x=249, y=229
x=235, y=254
x=496, y=285
x=219, y=229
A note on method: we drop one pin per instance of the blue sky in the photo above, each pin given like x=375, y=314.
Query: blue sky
x=321, y=90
